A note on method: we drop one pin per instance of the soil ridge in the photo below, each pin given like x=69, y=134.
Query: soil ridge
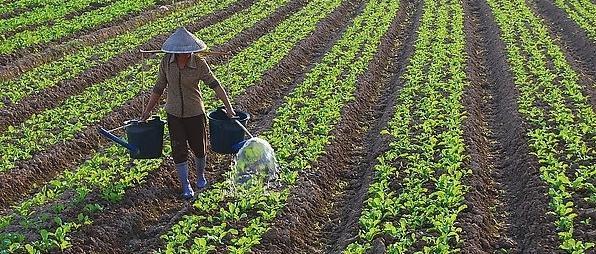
x=14, y=64
x=578, y=47
x=501, y=162
x=304, y=219
x=144, y=216
x=49, y=163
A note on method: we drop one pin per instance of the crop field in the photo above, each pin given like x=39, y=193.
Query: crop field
x=400, y=126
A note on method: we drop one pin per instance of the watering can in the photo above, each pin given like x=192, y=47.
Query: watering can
x=144, y=139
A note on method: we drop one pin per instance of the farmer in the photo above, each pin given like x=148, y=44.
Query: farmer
x=181, y=70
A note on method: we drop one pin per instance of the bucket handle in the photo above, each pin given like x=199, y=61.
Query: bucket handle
x=235, y=118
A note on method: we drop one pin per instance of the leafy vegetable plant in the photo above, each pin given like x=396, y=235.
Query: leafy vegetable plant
x=562, y=123
x=45, y=33
x=326, y=88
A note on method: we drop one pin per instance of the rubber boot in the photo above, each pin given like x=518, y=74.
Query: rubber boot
x=201, y=180
x=182, y=168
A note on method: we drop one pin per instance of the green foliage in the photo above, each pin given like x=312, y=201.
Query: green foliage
x=51, y=126
x=47, y=33
x=326, y=88
x=427, y=145
x=109, y=170
x=71, y=65
x=7, y=6
x=10, y=242
x=583, y=12
x=562, y=123
x=318, y=86
x=75, y=114
x=54, y=13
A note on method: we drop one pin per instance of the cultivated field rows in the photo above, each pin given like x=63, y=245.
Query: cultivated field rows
x=408, y=126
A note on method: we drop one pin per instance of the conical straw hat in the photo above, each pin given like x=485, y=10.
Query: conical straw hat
x=182, y=41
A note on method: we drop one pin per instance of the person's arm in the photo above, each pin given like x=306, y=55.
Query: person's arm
x=158, y=89
x=150, y=105
x=223, y=96
x=212, y=82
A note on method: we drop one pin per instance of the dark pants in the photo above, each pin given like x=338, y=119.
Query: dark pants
x=186, y=132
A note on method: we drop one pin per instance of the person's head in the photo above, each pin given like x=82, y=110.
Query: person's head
x=182, y=55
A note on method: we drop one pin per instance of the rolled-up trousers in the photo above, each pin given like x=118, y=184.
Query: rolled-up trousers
x=185, y=132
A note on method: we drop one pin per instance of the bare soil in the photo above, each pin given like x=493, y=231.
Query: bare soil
x=144, y=217
x=44, y=166
x=52, y=97
x=579, y=48
x=580, y=52
x=90, y=7
x=13, y=65
x=17, y=11
x=507, y=201
x=321, y=215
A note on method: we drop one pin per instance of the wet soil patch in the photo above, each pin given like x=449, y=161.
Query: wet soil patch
x=324, y=207
x=507, y=201
x=52, y=97
x=579, y=48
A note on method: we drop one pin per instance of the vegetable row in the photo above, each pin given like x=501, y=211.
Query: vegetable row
x=88, y=178
x=562, y=123
x=8, y=6
x=234, y=218
x=72, y=65
x=77, y=112
x=47, y=33
x=103, y=173
x=53, y=13
x=271, y=48
x=583, y=12
x=68, y=179
x=426, y=155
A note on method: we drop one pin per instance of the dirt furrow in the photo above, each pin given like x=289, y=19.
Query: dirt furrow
x=15, y=64
x=68, y=16
x=152, y=208
x=17, y=11
x=52, y=97
x=507, y=201
x=579, y=49
x=580, y=52
x=325, y=206
x=262, y=101
x=47, y=164
x=343, y=228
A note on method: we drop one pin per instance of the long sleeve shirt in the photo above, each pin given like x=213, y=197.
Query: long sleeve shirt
x=183, y=94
